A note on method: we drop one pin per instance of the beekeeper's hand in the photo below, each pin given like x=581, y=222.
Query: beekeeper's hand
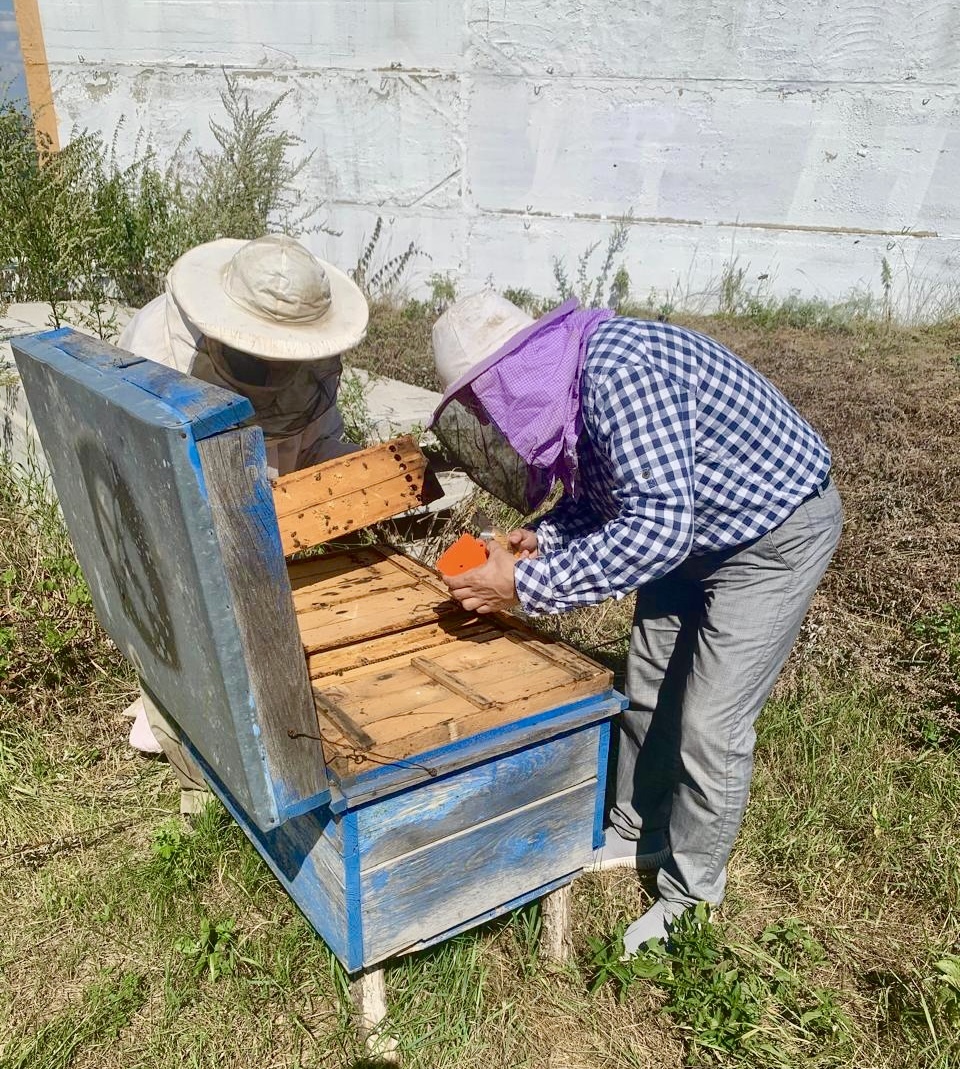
x=523, y=542
x=488, y=588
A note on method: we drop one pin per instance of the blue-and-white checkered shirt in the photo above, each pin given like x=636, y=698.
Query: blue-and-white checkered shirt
x=685, y=449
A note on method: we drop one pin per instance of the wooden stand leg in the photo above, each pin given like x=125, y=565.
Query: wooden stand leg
x=369, y=994
x=556, y=942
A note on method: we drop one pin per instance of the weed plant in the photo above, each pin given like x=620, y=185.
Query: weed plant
x=746, y=1002
x=379, y=275
x=76, y=225
x=607, y=285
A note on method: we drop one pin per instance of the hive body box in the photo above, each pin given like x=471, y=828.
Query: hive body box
x=406, y=770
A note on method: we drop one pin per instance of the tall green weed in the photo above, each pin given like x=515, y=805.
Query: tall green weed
x=77, y=225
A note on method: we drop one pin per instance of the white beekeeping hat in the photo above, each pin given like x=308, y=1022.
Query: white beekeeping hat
x=269, y=297
x=473, y=329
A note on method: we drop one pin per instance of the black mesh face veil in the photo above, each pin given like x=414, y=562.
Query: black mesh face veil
x=487, y=457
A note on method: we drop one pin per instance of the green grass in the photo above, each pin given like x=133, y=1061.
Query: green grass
x=128, y=938
x=104, y=1009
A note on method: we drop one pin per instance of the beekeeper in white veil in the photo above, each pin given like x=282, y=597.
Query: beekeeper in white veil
x=268, y=320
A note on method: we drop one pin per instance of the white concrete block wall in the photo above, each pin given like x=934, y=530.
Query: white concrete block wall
x=810, y=139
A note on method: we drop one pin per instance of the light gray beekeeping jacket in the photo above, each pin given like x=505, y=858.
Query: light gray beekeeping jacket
x=299, y=415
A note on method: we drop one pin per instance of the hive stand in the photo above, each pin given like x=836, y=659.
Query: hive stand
x=406, y=770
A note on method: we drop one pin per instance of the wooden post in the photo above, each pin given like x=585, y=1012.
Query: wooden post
x=369, y=994
x=556, y=941
x=36, y=73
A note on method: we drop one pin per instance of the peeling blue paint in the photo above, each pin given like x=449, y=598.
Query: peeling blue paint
x=603, y=757
x=351, y=858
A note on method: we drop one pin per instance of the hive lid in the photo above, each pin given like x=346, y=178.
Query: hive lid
x=165, y=494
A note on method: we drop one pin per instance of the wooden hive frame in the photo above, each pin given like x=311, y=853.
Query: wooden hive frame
x=398, y=668
x=330, y=500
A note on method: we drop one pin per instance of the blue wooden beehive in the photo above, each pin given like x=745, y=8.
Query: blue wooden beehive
x=406, y=770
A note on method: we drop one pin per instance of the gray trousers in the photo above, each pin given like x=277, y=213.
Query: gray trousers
x=708, y=643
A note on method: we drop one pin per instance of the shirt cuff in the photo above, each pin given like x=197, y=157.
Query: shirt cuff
x=531, y=578
x=548, y=537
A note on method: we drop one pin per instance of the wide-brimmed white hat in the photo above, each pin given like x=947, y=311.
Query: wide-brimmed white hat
x=269, y=297
x=471, y=330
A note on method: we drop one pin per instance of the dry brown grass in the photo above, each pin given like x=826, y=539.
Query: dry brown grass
x=887, y=401
x=888, y=404
x=851, y=829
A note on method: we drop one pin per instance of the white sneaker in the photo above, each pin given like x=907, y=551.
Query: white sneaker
x=620, y=853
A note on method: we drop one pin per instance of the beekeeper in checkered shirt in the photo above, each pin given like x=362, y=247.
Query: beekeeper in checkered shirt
x=688, y=479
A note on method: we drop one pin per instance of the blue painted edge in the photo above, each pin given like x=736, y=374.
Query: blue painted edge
x=483, y=918
x=193, y=458
x=392, y=779
x=46, y=335
x=210, y=409
x=79, y=345
x=207, y=408
x=603, y=756
x=477, y=761
x=351, y=864
x=143, y=406
x=294, y=807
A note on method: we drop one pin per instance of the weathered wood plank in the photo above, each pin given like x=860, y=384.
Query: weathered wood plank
x=437, y=809
x=406, y=734
x=368, y=992
x=332, y=564
x=516, y=671
x=369, y=618
x=326, y=703
x=442, y=718
x=127, y=474
x=556, y=935
x=323, y=579
x=452, y=682
x=427, y=577
x=379, y=582
x=467, y=875
x=556, y=653
x=343, y=495
x=235, y=473
x=398, y=688
x=328, y=571
x=366, y=656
